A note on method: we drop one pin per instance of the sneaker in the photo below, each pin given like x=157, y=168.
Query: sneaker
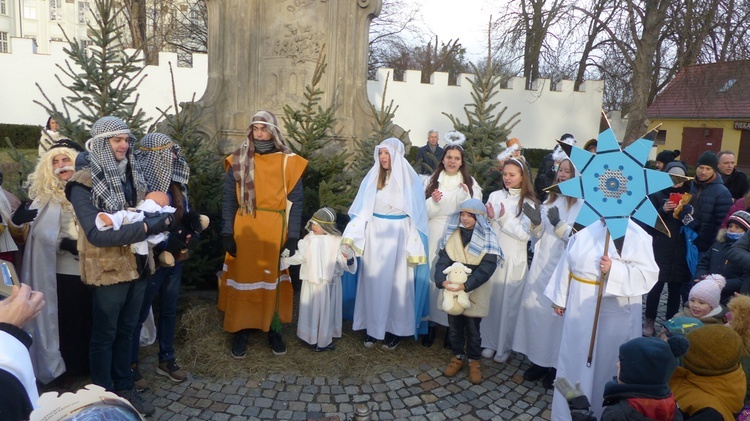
x=502, y=358
x=330, y=347
x=277, y=343
x=535, y=372
x=549, y=379
x=144, y=408
x=391, y=342
x=239, y=345
x=475, y=372
x=488, y=353
x=139, y=382
x=454, y=367
x=172, y=370
x=370, y=341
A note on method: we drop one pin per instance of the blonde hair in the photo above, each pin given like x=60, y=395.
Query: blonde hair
x=43, y=184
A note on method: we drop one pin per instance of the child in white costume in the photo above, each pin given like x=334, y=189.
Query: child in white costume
x=154, y=202
x=510, y=211
x=573, y=288
x=322, y=264
x=538, y=329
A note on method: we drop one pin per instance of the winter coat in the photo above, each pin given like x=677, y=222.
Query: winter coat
x=716, y=260
x=724, y=393
x=428, y=161
x=545, y=177
x=670, y=252
x=736, y=183
x=711, y=202
x=739, y=254
x=105, y=256
x=620, y=398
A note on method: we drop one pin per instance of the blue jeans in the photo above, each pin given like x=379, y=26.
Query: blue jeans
x=115, y=312
x=165, y=282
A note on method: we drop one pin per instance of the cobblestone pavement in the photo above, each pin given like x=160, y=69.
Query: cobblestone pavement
x=421, y=393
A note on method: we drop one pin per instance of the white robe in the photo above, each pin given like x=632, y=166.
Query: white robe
x=513, y=233
x=385, y=290
x=322, y=264
x=632, y=275
x=539, y=328
x=438, y=214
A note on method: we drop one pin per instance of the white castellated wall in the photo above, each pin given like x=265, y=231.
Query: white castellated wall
x=545, y=114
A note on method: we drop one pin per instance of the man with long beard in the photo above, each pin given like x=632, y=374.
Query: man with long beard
x=50, y=265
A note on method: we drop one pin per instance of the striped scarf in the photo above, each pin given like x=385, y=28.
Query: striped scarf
x=483, y=239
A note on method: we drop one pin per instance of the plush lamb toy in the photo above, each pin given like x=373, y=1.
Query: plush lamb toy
x=454, y=303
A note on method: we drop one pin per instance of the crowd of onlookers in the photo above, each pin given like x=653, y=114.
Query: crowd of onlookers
x=109, y=227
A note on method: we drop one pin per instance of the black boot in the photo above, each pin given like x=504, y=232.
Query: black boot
x=429, y=338
x=535, y=372
x=549, y=379
x=239, y=344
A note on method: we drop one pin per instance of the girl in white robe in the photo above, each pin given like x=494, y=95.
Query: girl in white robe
x=511, y=222
x=539, y=329
x=388, y=229
x=448, y=187
x=573, y=288
x=322, y=264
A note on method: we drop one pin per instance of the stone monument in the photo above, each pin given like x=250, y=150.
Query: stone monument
x=262, y=54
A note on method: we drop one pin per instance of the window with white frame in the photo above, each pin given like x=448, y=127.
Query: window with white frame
x=29, y=9
x=3, y=7
x=55, y=10
x=83, y=10
x=3, y=42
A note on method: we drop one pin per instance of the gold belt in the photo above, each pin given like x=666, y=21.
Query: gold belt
x=584, y=281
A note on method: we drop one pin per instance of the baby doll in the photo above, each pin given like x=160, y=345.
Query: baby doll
x=322, y=264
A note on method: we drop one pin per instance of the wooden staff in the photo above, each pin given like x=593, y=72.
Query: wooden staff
x=602, y=285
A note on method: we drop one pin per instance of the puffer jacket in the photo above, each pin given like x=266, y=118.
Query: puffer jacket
x=711, y=202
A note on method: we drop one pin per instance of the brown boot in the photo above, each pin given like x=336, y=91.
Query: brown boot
x=454, y=367
x=648, y=328
x=475, y=372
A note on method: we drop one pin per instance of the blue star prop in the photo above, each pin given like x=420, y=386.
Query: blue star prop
x=614, y=183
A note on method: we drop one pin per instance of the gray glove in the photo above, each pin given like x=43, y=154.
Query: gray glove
x=553, y=214
x=578, y=403
x=534, y=213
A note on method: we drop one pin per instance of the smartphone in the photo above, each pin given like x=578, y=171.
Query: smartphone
x=10, y=278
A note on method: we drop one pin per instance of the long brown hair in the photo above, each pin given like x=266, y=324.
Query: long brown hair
x=433, y=184
x=527, y=188
x=553, y=195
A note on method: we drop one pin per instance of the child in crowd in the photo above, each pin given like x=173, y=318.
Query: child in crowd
x=641, y=390
x=154, y=202
x=468, y=239
x=514, y=214
x=703, y=301
x=716, y=259
x=322, y=264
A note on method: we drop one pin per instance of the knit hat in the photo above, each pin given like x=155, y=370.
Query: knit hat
x=326, y=219
x=709, y=159
x=708, y=290
x=667, y=156
x=714, y=350
x=681, y=325
x=650, y=361
x=568, y=138
x=675, y=167
x=741, y=218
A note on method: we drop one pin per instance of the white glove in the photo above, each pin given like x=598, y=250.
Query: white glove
x=285, y=253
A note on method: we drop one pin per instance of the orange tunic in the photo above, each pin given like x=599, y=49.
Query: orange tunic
x=251, y=283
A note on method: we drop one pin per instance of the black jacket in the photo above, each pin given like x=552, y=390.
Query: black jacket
x=737, y=183
x=544, y=177
x=670, y=252
x=711, y=202
x=739, y=254
x=427, y=161
x=480, y=273
x=716, y=260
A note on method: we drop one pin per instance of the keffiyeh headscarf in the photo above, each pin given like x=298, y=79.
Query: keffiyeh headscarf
x=106, y=175
x=483, y=239
x=159, y=166
x=243, y=164
x=326, y=219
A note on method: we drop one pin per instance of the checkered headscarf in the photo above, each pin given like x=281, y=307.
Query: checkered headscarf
x=158, y=165
x=243, y=159
x=483, y=239
x=107, y=181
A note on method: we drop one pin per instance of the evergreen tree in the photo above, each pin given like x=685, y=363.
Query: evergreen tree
x=309, y=128
x=483, y=130
x=102, y=79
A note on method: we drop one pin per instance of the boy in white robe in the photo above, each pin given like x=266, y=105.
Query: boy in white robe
x=322, y=264
x=573, y=290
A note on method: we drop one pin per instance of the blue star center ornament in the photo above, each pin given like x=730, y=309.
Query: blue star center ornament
x=614, y=184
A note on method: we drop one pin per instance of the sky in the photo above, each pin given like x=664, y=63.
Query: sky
x=468, y=22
